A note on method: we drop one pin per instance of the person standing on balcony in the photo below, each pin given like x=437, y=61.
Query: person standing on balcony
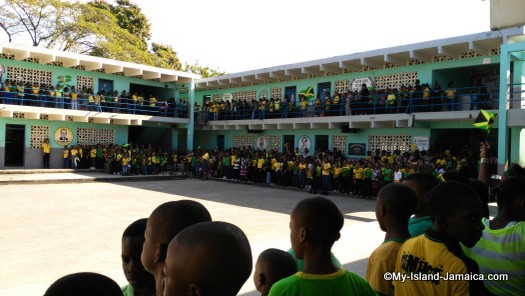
x=450, y=96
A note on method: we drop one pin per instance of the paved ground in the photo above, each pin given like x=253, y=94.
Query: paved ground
x=58, y=223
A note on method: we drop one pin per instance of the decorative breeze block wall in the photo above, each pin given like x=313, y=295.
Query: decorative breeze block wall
x=339, y=142
x=84, y=81
x=38, y=134
x=243, y=140
x=93, y=136
x=276, y=93
x=29, y=75
x=395, y=80
x=390, y=143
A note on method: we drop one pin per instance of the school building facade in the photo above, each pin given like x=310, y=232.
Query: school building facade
x=492, y=58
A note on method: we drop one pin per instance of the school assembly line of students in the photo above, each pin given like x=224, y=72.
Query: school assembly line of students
x=451, y=246
x=325, y=172
x=123, y=160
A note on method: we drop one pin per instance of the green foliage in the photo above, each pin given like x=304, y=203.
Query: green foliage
x=165, y=56
x=203, y=71
x=36, y=18
x=129, y=17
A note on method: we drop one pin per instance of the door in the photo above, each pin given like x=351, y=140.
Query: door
x=321, y=143
x=220, y=142
x=291, y=93
x=289, y=144
x=105, y=85
x=14, y=145
x=324, y=89
x=182, y=140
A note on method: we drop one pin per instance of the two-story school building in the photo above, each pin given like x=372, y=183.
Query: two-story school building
x=319, y=104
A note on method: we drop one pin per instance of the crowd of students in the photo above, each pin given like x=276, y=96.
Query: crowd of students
x=326, y=171
x=69, y=97
x=438, y=236
x=368, y=100
x=125, y=160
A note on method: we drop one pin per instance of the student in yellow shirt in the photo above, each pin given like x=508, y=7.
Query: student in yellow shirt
x=394, y=206
x=74, y=157
x=46, y=153
x=325, y=175
x=65, y=157
x=358, y=179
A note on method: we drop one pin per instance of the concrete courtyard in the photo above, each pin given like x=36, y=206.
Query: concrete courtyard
x=50, y=230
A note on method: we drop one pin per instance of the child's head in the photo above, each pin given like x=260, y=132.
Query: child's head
x=164, y=223
x=456, y=210
x=272, y=266
x=316, y=221
x=132, y=241
x=209, y=258
x=395, y=202
x=510, y=196
x=84, y=284
x=421, y=183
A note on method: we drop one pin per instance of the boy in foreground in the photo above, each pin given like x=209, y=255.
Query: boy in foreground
x=433, y=261
x=394, y=206
x=315, y=226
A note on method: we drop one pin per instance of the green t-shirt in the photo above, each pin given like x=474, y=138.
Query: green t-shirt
x=369, y=173
x=127, y=290
x=418, y=226
x=341, y=282
x=387, y=175
x=300, y=262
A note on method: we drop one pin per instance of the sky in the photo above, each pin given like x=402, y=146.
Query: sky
x=241, y=35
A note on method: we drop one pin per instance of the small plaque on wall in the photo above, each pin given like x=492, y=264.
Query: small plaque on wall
x=357, y=149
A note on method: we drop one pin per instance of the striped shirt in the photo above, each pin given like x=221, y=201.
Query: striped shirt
x=502, y=251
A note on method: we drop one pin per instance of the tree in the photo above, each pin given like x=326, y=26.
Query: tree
x=93, y=30
x=37, y=18
x=9, y=21
x=165, y=56
x=203, y=71
x=129, y=17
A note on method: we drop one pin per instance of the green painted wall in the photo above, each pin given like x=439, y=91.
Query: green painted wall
x=121, y=132
x=208, y=139
x=120, y=82
x=443, y=72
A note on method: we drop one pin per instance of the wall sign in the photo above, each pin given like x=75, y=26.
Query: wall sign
x=261, y=143
x=64, y=136
x=357, y=149
x=304, y=143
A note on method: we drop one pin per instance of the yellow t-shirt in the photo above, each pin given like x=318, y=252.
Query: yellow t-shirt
x=65, y=153
x=152, y=102
x=423, y=256
x=358, y=173
x=276, y=166
x=383, y=259
x=260, y=163
x=326, y=169
x=46, y=148
x=93, y=153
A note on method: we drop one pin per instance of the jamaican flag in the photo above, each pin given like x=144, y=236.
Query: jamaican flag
x=308, y=93
x=485, y=120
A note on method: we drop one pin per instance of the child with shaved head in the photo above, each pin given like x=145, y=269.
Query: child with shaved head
x=209, y=258
x=272, y=266
x=394, y=205
x=315, y=225
x=164, y=223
